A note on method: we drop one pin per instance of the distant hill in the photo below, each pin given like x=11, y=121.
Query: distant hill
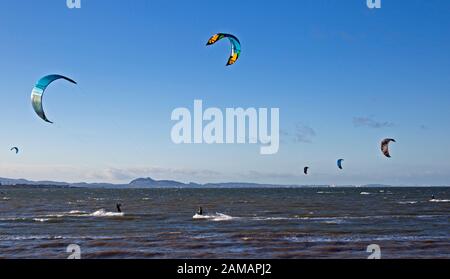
x=9, y=181
x=146, y=183
x=151, y=183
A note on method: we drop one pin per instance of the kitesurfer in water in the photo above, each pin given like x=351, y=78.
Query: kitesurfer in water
x=200, y=211
x=433, y=197
x=118, y=206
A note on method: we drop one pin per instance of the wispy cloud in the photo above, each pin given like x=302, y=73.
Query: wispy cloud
x=301, y=133
x=371, y=123
x=304, y=133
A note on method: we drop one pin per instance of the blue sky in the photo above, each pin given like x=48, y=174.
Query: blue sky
x=343, y=76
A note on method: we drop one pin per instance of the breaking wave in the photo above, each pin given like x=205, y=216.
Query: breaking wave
x=214, y=217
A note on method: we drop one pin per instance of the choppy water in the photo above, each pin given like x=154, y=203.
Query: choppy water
x=238, y=223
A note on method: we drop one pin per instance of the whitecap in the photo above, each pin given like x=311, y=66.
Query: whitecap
x=103, y=213
x=407, y=202
x=76, y=212
x=326, y=239
x=436, y=200
x=214, y=217
x=97, y=199
x=41, y=220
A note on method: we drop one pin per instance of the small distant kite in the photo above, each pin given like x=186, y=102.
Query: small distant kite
x=38, y=92
x=16, y=149
x=235, y=46
x=305, y=170
x=385, y=147
x=339, y=163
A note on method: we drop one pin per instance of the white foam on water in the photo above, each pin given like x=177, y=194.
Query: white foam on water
x=72, y=213
x=97, y=199
x=13, y=219
x=272, y=218
x=41, y=220
x=329, y=193
x=56, y=237
x=364, y=193
x=76, y=212
x=103, y=213
x=334, y=221
x=436, y=200
x=224, y=217
x=407, y=202
x=31, y=237
x=343, y=219
x=81, y=213
x=214, y=217
x=305, y=239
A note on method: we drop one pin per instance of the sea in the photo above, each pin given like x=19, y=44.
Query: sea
x=238, y=223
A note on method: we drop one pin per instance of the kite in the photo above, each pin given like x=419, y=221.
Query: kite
x=235, y=46
x=385, y=147
x=38, y=92
x=339, y=163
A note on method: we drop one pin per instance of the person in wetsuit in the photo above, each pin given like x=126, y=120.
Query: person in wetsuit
x=118, y=206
